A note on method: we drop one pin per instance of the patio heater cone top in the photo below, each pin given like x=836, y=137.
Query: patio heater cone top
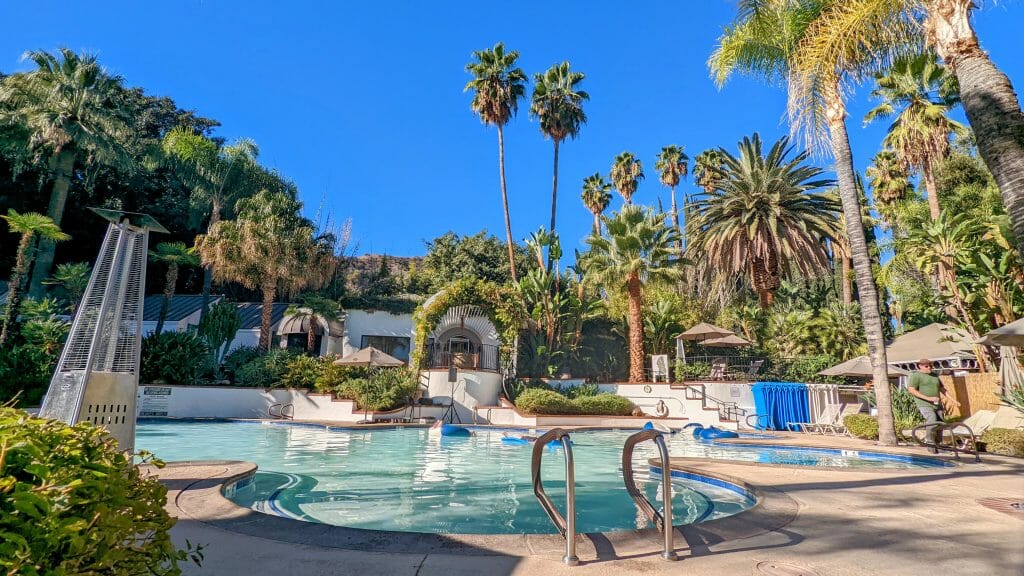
x=134, y=219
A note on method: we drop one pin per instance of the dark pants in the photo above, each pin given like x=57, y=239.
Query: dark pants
x=932, y=416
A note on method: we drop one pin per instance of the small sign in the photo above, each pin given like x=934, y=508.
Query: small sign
x=156, y=391
x=155, y=401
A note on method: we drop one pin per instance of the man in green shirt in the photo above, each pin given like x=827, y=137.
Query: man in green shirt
x=926, y=388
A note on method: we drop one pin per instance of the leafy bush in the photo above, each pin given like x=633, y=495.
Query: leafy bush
x=174, y=357
x=332, y=377
x=383, y=389
x=904, y=409
x=604, y=405
x=691, y=370
x=1004, y=441
x=25, y=373
x=513, y=388
x=862, y=426
x=1015, y=397
x=580, y=391
x=265, y=371
x=303, y=371
x=803, y=368
x=72, y=503
x=239, y=357
x=540, y=401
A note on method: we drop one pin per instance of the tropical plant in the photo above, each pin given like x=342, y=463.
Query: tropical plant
x=383, y=389
x=312, y=311
x=557, y=103
x=596, y=197
x=264, y=371
x=73, y=279
x=32, y=227
x=815, y=47
x=268, y=247
x=839, y=331
x=60, y=481
x=920, y=93
x=174, y=358
x=73, y=112
x=890, y=185
x=637, y=251
x=173, y=255
x=661, y=324
x=218, y=328
x=767, y=218
x=498, y=85
x=627, y=172
x=672, y=166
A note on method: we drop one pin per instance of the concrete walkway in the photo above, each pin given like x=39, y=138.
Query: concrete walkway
x=822, y=522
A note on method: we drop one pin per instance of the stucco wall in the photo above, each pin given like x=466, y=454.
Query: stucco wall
x=472, y=389
x=359, y=323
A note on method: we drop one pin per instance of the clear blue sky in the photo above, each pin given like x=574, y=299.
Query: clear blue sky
x=362, y=104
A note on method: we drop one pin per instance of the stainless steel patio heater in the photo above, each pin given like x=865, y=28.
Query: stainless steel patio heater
x=97, y=376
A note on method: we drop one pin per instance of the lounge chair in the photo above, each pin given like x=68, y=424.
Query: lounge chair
x=839, y=427
x=718, y=370
x=750, y=373
x=826, y=420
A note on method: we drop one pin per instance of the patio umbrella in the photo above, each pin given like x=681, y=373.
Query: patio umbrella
x=730, y=341
x=1011, y=334
x=701, y=332
x=859, y=367
x=1010, y=375
x=369, y=356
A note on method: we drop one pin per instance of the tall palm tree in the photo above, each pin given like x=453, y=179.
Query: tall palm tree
x=920, y=92
x=73, y=278
x=672, y=166
x=268, y=247
x=596, y=197
x=768, y=217
x=217, y=177
x=817, y=47
x=173, y=255
x=889, y=183
x=707, y=169
x=638, y=250
x=498, y=85
x=31, y=226
x=558, y=104
x=988, y=99
x=74, y=113
x=313, y=310
x=627, y=172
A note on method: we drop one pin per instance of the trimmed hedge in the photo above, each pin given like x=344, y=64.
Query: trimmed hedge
x=862, y=426
x=179, y=358
x=72, y=503
x=541, y=401
x=1004, y=441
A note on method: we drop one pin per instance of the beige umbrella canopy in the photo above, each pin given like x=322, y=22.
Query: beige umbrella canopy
x=730, y=341
x=705, y=331
x=859, y=367
x=1011, y=334
x=369, y=356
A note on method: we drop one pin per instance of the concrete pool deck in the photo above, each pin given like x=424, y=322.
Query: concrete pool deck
x=828, y=522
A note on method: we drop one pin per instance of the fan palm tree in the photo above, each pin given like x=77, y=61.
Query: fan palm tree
x=498, y=85
x=313, y=310
x=817, y=47
x=73, y=112
x=558, y=104
x=987, y=96
x=73, y=278
x=920, y=92
x=672, y=166
x=637, y=250
x=217, y=177
x=627, y=172
x=32, y=227
x=596, y=197
x=270, y=248
x=768, y=217
x=173, y=255
x=707, y=169
x=889, y=183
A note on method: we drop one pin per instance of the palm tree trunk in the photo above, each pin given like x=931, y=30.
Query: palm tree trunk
x=208, y=269
x=675, y=220
x=988, y=99
x=169, y=286
x=636, y=328
x=64, y=168
x=554, y=193
x=21, y=266
x=928, y=175
x=840, y=142
x=311, y=337
x=597, y=224
x=504, y=201
x=847, y=280
x=267, y=315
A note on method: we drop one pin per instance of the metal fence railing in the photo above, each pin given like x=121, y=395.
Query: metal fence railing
x=483, y=357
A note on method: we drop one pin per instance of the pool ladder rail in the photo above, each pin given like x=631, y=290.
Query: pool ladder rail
x=284, y=411
x=566, y=525
x=962, y=438
x=662, y=520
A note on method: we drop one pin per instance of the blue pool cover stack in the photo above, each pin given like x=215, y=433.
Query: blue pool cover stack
x=781, y=403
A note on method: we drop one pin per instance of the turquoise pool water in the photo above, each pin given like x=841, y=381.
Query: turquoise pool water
x=407, y=480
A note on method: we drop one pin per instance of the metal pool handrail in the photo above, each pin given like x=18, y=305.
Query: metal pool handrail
x=662, y=520
x=939, y=431
x=566, y=525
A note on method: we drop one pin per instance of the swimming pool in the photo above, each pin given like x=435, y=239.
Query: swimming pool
x=406, y=480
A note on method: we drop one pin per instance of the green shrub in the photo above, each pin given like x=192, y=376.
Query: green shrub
x=691, y=370
x=383, y=389
x=540, y=401
x=239, y=357
x=174, y=358
x=603, y=405
x=1004, y=441
x=72, y=503
x=303, y=371
x=25, y=374
x=265, y=371
x=862, y=426
x=333, y=376
x=580, y=391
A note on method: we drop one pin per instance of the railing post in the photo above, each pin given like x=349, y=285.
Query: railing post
x=663, y=520
x=668, y=531
x=570, y=558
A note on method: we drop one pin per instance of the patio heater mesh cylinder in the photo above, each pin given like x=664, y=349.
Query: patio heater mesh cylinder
x=97, y=375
